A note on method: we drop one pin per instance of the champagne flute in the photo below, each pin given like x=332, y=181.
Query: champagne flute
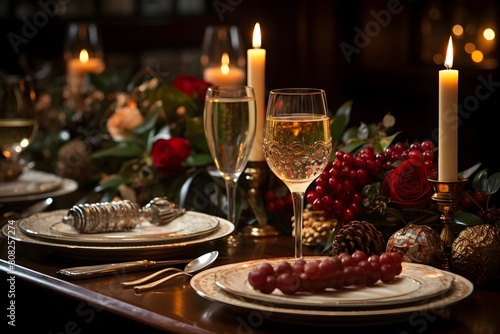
x=18, y=123
x=297, y=143
x=230, y=122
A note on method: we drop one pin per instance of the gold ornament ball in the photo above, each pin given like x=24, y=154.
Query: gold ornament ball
x=418, y=244
x=475, y=253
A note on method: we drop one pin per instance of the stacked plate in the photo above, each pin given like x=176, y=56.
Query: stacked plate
x=46, y=230
x=35, y=185
x=419, y=288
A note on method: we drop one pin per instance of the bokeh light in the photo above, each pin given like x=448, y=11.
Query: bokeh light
x=477, y=56
x=438, y=59
x=470, y=47
x=489, y=34
x=458, y=30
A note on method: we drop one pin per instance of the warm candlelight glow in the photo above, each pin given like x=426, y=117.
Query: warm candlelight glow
x=449, y=55
x=256, y=40
x=224, y=68
x=84, y=56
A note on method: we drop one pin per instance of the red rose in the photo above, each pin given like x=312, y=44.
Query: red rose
x=170, y=154
x=408, y=186
x=192, y=86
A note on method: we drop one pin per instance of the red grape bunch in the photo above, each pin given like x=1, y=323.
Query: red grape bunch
x=338, y=190
x=332, y=272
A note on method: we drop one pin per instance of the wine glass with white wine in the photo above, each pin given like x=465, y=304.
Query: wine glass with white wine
x=297, y=143
x=18, y=123
x=230, y=122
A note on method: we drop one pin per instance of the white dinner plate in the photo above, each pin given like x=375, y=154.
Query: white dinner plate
x=29, y=183
x=204, y=284
x=49, y=226
x=117, y=252
x=413, y=284
x=66, y=186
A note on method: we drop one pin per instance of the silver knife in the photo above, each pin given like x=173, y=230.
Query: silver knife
x=107, y=269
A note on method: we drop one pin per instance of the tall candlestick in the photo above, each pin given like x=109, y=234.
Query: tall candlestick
x=256, y=78
x=448, y=120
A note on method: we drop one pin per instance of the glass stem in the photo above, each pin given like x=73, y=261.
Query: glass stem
x=231, y=201
x=298, y=208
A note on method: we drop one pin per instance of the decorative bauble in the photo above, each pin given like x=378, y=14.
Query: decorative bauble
x=358, y=235
x=316, y=228
x=74, y=161
x=417, y=244
x=475, y=253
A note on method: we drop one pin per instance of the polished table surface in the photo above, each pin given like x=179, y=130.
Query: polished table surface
x=99, y=304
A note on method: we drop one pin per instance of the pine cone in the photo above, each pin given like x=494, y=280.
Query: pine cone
x=475, y=253
x=316, y=228
x=358, y=235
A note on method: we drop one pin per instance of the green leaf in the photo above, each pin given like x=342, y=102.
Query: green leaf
x=148, y=123
x=182, y=194
x=111, y=80
x=164, y=132
x=121, y=150
x=467, y=218
x=469, y=171
x=340, y=121
x=350, y=134
x=494, y=183
x=385, y=142
x=201, y=159
x=112, y=183
x=173, y=99
x=150, y=141
x=196, y=135
x=354, y=145
x=480, y=181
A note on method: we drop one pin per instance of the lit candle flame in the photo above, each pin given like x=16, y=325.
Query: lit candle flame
x=448, y=63
x=224, y=68
x=84, y=56
x=256, y=40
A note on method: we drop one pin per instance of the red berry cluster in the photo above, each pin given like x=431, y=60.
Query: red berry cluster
x=332, y=272
x=338, y=190
x=279, y=205
x=477, y=202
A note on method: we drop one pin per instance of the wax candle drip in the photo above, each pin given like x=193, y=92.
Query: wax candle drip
x=120, y=215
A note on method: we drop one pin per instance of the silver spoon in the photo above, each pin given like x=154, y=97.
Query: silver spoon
x=191, y=268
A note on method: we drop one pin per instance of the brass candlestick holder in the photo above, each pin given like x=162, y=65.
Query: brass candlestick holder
x=255, y=176
x=447, y=195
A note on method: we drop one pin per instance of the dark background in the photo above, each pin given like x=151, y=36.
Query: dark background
x=394, y=70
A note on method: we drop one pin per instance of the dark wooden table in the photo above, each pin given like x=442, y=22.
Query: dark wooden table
x=100, y=305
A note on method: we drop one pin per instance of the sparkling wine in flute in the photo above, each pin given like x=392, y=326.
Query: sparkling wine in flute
x=230, y=130
x=17, y=134
x=297, y=148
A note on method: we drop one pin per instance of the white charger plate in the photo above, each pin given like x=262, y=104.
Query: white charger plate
x=204, y=284
x=67, y=186
x=117, y=252
x=49, y=226
x=30, y=182
x=415, y=283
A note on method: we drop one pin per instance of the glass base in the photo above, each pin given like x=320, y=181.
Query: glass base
x=259, y=231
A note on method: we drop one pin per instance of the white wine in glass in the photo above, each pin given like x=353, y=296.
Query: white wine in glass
x=297, y=143
x=18, y=123
x=230, y=121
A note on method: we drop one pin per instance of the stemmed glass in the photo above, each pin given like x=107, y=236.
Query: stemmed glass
x=230, y=122
x=223, y=53
x=18, y=123
x=297, y=143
